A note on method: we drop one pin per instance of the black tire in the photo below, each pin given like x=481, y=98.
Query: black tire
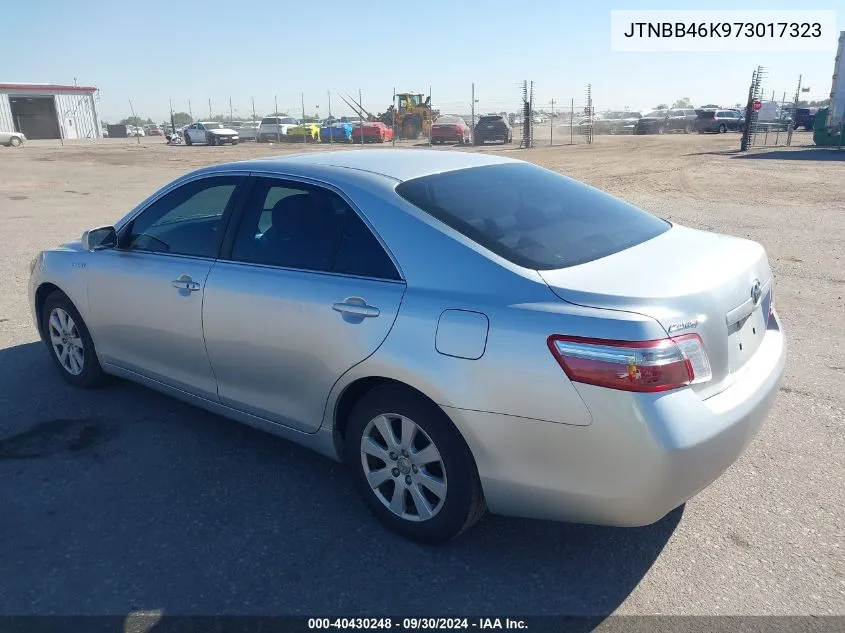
x=234, y=142
x=464, y=501
x=92, y=374
x=188, y=140
x=722, y=128
x=209, y=139
x=15, y=141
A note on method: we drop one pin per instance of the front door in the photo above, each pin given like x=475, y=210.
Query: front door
x=306, y=293
x=146, y=295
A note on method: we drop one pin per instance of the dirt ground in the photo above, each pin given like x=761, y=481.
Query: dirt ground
x=766, y=538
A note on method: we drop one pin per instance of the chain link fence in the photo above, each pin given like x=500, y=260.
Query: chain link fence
x=536, y=116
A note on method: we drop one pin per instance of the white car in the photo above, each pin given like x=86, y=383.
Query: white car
x=131, y=130
x=274, y=127
x=12, y=139
x=210, y=133
x=248, y=130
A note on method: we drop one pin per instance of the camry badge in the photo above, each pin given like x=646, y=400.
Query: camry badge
x=686, y=325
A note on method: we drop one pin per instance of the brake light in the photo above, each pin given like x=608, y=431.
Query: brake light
x=643, y=366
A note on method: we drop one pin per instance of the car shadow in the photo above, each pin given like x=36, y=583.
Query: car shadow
x=120, y=499
x=815, y=153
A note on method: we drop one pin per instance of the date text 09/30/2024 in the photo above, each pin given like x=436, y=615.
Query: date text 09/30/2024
x=416, y=624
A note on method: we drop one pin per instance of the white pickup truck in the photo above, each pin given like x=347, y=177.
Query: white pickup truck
x=210, y=133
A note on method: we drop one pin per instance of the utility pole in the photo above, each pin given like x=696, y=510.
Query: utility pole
x=209, y=109
x=253, y=109
x=552, y=125
x=132, y=110
x=231, y=117
x=472, y=123
x=794, y=110
x=190, y=112
x=276, y=114
x=393, y=123
x=431, y=111
x=361, y=104
x=571, y=117
x=304, y=131
x=331, y=120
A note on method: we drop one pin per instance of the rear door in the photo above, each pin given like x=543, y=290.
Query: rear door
x=304, y=292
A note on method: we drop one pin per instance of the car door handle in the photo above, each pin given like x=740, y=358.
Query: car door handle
x=355, y=306
x=185, y=284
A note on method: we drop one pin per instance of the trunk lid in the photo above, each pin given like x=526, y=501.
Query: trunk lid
x=691, y=282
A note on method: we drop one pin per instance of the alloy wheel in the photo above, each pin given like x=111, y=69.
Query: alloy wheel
x=403, y=467
x=66, y=342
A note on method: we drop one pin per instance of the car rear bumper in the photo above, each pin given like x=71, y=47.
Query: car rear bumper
x=642, y=456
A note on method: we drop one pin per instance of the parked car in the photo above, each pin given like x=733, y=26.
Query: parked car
x=131, y=130
x=336, y=131
x=155, y=131
x=492, y=127
x=248, y=130
x=306, y=131
x=719, y=121
x=273, y=128
x=454, y=326
x=617, y=122
x=662, y=121
x=804, y=117
x=450, y=129
x=374, y=132
x=12, y=139
x=210, y=133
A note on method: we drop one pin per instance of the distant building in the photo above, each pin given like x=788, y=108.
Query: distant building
x=49, y=111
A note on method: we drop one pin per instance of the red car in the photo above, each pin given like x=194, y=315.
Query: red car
x=376, y=132
x=450, y=129
x=155, y=131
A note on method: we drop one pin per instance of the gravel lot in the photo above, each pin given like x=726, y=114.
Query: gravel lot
x=122, y=499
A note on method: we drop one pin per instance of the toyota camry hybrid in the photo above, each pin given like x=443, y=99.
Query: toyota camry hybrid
x=466, y=331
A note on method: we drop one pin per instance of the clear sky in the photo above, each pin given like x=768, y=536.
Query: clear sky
x=157, y=50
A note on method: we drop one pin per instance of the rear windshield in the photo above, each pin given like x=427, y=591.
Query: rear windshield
x=490, y=119
x=531, y=216
x=269, y=120
x=706, y=115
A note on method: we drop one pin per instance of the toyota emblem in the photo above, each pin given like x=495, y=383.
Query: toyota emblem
x=756, y=291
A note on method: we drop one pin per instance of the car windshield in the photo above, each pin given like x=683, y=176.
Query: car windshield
x=656, y=113
x=449, y=120
x=490, y=119
x=212, y=126
x=531, y=216
x=288, y=120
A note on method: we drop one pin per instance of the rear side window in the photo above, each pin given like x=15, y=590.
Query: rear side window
x=531, y=216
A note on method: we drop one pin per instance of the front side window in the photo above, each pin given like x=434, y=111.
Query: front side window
x=294, y=225
x=186, y=221
x=531, y=216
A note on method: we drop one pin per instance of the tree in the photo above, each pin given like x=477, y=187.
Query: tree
x=682, y=103
x=662, y=106
x=182, y=118
x=133, y=120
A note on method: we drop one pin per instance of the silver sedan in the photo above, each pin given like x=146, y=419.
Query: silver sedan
x=466, y=331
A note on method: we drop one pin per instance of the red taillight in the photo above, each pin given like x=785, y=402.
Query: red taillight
x=644, y=366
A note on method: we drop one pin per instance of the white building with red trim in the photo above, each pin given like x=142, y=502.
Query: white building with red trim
x=49, y=111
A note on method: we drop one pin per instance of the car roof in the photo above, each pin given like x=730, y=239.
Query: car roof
x=399, y=164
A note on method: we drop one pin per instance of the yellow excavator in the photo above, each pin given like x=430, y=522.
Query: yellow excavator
x=412, y=111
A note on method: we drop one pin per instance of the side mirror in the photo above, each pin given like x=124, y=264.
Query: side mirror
x=99, y=238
